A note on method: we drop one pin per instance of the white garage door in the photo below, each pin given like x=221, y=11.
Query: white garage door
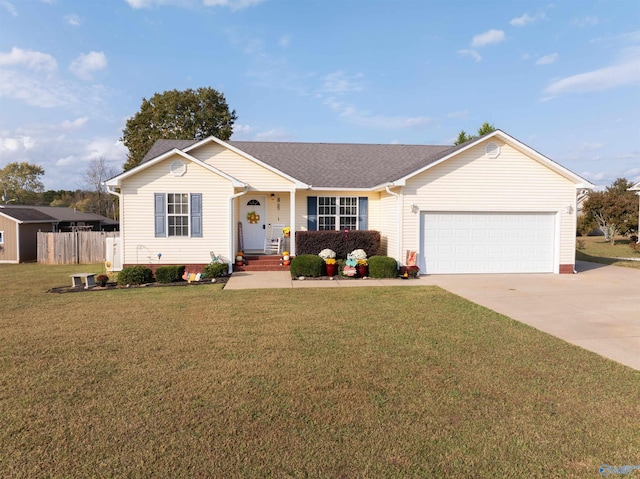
x=488, y=242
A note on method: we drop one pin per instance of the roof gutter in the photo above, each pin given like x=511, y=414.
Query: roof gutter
x=399, y=216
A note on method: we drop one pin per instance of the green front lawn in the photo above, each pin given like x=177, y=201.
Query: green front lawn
x=349, y=382
x=597, y=250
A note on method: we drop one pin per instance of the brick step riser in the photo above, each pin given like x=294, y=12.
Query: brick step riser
x=262, y=263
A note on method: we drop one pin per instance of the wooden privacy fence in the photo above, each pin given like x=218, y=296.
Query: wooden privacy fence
x=81, y=247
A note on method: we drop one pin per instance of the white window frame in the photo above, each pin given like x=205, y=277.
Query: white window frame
x=338, y=207
x=183, y=229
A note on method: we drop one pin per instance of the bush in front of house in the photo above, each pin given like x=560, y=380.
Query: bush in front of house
x=215, y=270
x=383, y=267
x=310, y=265
x=135, y=275
x=313, y=242
x=169, y=274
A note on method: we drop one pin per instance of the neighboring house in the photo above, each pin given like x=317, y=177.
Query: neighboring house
x=491, y=205
x=19, y=225
x=636, y=188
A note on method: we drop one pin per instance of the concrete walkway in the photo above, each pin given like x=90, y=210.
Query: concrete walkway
x=597, y=309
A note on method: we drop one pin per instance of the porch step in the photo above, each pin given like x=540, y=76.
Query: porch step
x=262, y=263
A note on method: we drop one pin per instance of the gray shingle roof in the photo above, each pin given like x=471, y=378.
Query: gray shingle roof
x=51, y=214
x=336, y=165
x=162, y=146
x=26, y=214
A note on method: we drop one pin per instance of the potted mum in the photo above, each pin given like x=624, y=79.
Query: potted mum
x=361, y=261
x=329, y=257
x=286, y=231
x=102, y=279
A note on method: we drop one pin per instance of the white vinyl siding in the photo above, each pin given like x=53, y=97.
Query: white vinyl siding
x=138, y=221
x=512, y=182
x=241, y=168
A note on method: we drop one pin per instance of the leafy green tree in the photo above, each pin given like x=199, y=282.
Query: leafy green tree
x=21, y=183
x=615, y=209
x=177, y=115
x=483, y=130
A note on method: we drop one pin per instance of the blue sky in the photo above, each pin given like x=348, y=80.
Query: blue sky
x=562, y=77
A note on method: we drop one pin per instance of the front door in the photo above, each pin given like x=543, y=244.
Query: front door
x=253, y=216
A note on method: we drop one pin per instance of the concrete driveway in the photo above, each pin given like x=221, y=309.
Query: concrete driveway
x=597, y=309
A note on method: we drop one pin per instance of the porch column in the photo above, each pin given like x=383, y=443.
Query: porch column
x=292, y=222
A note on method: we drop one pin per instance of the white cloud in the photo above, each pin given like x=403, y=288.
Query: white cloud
x=527, y=19
x=492, y=36
x=522, y=21
x=140, y=3
x=231, y=4
x=365, y=118
x=85, y=65
x=28, y=58
x=588, y=21
x=73, y=20
x=470, y=53
x=275, y=134
x=547, y=59
x=17, y=144
x=34, y=91
x=9, y=7
x=458, y=114
x=73, y=125
x=107, y=148
x=339, y=82
x=606, y=78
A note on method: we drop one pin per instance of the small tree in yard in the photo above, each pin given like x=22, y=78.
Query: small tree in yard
x=615, y=210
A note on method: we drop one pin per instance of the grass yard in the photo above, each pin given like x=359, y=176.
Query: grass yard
x=597, y=250
x=342, y=383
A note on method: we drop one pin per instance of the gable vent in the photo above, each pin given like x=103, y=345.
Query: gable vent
x=178, y=168
x=492, y=150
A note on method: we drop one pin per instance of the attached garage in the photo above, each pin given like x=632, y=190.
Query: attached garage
x=488, y=242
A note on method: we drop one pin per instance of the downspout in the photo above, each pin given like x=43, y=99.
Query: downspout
x=400, y=220
x=232, y=254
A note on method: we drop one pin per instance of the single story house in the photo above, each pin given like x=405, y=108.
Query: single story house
x=20, y=224
x=490, y=205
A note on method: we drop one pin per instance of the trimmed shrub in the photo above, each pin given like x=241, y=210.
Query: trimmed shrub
x=169, y=274
x=383, y=267
x=312, y=242
x=215, y=270
x=135, y=275
x=306, y=265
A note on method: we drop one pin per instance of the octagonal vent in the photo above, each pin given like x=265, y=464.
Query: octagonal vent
x=492, y=150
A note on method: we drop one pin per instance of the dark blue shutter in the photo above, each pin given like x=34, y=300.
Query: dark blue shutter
x=312, y=213
x=159, y=214
x=196, y=215
x=363, y=213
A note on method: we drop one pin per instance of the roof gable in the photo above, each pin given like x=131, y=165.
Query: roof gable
x=115, y=181
x=530, y=152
